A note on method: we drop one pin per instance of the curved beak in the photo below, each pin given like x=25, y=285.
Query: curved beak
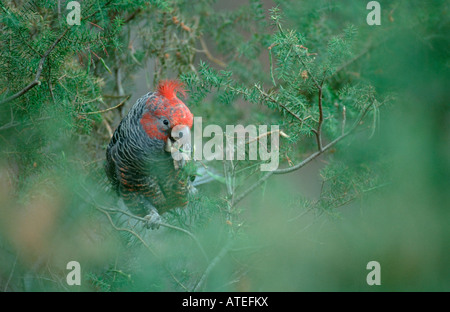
x=179, y=135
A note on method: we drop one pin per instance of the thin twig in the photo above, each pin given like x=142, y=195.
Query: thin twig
x=115, y=96
x=173, y=227
x=213, y=263
x=210, y=56
x=106, y=110
x=126, y=230
x=118, y=76
x=36, y=80
x=96, y=25
x=271, y=66
x=319, y=126
x=316, y=83
x=132, y=16
x=284, y=135
x=105, y=211
x=319, y=86
x=142, y=241
x=311, y=157
x=351, y=61
x=11, y=274
x=344, y=118
x=253, y=187
x=9, y=125
x=108, y=128
x=194, y=238
x=326, y=147
x=267, y=96
x=12, y=123
x=304, y=162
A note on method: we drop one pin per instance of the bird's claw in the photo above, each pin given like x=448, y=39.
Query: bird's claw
x=153, y=220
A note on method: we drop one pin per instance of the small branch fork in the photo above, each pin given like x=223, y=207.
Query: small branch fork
x=209, y=55
x=319, y=86
x=108, y=109
x=107, y=212
x=317, y=131
x=44, y=57
x=147, y=246
x=169, y=226
x=305, y=161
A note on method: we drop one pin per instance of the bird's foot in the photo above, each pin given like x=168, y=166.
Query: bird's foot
x=154, y=220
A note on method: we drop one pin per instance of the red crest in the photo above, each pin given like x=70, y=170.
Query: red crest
x=170, y=88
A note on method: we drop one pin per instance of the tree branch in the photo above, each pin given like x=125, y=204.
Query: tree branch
x=147, y=246
x=304, y=162
x=36, y=81
x=312, y=156
x=319, y=86
x=318, y=132
x=132, y=16
x=209, y=55
x=173, y=227
x=263, y=93
x=326, y=147
x=253, y=187
x=106, y=110
x=213, y=263
x=13, y=123
x=351, y=61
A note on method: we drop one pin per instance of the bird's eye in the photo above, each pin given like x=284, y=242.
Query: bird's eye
x=166, y=122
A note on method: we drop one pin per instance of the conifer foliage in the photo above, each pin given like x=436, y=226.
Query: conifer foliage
x=65, y=87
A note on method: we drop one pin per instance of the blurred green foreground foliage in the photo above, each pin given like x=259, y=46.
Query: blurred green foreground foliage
x=367, y=104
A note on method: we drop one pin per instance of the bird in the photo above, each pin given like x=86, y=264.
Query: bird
x=139, y=162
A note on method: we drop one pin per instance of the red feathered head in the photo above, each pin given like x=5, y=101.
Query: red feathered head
x=166, y=110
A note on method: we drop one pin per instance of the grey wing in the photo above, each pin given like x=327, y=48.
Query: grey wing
x=111, y=167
